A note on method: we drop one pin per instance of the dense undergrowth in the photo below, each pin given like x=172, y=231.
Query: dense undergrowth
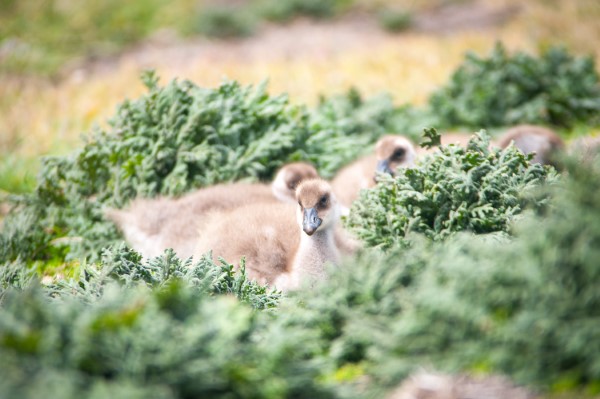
x=177, y=138
x=475, y=189
x=526, y=306
x=555, y=88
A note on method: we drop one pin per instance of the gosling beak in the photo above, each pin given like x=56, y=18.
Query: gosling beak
x=311, y=221
x=383, y=166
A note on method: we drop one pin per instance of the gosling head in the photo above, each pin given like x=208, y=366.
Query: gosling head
x=288, y=177
x=393, y=151
x=544, y=142
x=318, y=208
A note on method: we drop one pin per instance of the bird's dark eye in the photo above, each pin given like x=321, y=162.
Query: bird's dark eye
x=323, y=201
x=398, y=154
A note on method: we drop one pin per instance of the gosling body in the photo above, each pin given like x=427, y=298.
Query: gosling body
x=282, y=244
x=544, y=142
x=391, y=152
x=152, y=225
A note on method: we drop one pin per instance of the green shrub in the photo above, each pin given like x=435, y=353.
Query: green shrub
x=528, y=307
x=169, y=141
x=44, y=34
x=175, y=139
x=500, y=90
x=454, y=189
x=525, y=306
x=285, y=10
x=394, y=20
x=225, y=22
x=127, y=267
x=172, y=342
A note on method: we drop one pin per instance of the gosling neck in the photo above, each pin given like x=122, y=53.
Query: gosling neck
x=313, y=252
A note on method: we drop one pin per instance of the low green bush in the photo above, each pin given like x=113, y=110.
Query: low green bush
x=40, y=36
x=175, y=139
x=526, y=306
x=394, y=20
x=169, y=141
x=454, y=189
x=171, y=342
x=457, y=298
x=282, y=11
x=225, y=22
x=555, y=88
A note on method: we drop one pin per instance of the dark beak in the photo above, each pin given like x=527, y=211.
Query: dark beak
x=383, y=166
x=311, y=221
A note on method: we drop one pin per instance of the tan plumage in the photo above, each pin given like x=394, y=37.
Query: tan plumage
x=281, y=244
x=288, y=177
x=152, y=225
x=426, y=385
x=529, y=138
x=393, y=150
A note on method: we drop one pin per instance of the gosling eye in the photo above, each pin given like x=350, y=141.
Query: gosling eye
x=323, y=201
x=292, y=184
x=398, y=154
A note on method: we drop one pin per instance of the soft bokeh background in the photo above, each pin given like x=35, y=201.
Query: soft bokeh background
x=65, y=64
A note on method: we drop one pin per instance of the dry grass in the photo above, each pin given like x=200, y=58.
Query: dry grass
x=40, y=117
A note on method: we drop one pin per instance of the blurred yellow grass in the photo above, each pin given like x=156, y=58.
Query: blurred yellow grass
x=40, y=117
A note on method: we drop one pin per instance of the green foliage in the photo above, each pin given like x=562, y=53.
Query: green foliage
x=395, y=20
x=169, y=141
x=14, y=174
x=127, y=266
x=35, y=30
x=126, y=326
x=173, y=342
x=225, y=22
x=285, y=10
x=555, y=88
x=454, y=189
x=526, y=306
x=431, y=138
x=177, y=138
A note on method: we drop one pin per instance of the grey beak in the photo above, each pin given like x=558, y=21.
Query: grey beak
x=383, y=166
x=311, y=221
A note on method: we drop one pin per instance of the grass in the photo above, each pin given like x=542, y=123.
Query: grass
x=16, y=174
x=41, y=35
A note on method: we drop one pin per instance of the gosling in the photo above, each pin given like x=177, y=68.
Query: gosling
x=391, y=152
x=282, y=244
x=544, y=142
x=152, y=225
